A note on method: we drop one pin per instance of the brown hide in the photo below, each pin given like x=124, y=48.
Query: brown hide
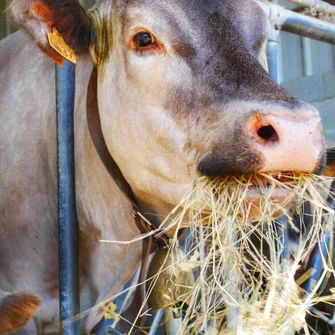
x=15, y=310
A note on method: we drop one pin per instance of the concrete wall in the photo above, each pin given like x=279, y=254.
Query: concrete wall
x=319, y=90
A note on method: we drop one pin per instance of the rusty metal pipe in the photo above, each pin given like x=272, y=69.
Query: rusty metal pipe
x=318, y=5
x=286, y=20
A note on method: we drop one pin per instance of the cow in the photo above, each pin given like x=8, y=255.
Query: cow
x=182, y=91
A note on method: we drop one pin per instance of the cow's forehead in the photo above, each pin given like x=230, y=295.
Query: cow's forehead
x=220, y=41
x=185, y=16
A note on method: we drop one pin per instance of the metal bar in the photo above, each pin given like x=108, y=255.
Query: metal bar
x=172, y=324
x=317, y=262
x=299, y=24
x=282, y=231
x=273, y=55
x=307, y=56
x=233, y=311
x=67, y=215
x=322, y=316
x=203, y=293
x=157, y=319
x=318, y=5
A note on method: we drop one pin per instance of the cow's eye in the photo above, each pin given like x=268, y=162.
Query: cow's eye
x=143, y=39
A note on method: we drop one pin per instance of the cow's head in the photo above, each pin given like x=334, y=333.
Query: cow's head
x=183, y=90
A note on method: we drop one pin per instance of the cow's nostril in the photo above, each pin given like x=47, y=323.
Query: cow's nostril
x=268, y=134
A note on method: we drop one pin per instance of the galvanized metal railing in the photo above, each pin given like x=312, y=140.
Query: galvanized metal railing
x=295, y=23
x=318, y=5
x=67, y=215
x=282, y=19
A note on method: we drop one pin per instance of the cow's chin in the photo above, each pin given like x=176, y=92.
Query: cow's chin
x=267, y=203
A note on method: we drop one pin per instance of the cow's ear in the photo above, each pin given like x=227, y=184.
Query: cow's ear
x=15, y=310
x=65, y=18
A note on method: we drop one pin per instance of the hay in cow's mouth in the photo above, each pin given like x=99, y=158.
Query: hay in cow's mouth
x=240, y=284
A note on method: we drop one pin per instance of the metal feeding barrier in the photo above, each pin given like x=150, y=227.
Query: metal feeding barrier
x=280, y=19
x=67, y=214
x=295, y=23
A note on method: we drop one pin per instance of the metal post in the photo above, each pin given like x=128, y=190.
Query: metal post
x=157, y=319
x=321, y=251
x=307, y=56
x=273, y=54
x=316, y=263
x=67, y=215
x=282, y=231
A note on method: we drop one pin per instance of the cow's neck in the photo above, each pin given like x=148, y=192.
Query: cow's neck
x=154, y=209
x=99, y=201
x=95, y=185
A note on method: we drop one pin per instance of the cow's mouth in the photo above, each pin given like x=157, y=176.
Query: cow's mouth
x=245, y=199
x=273, y=186
x=267, y=194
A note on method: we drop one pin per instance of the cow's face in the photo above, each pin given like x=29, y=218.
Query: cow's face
x=184, y=92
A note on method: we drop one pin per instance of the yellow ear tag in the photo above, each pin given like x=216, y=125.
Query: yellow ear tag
x=57, y=42
x=110, y=312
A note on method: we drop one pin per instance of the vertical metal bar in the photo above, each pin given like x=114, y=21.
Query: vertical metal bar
x=67, y=215
x=282, y=231
x=203, y=293
x=273, y=55
x=157, y=319
x=172, y=324
x=233, y=312
x=317, y=262
x=322, y=250
x=307, y=56
x=274, y=71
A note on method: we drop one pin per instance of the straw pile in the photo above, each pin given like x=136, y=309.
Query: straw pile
x=242, y=285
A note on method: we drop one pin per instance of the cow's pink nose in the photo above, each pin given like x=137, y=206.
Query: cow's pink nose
x=287, y=142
